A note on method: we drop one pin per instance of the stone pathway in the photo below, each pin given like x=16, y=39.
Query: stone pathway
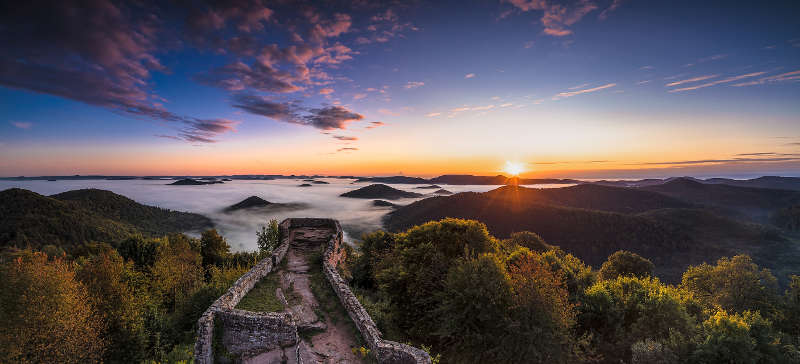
x=322, y=340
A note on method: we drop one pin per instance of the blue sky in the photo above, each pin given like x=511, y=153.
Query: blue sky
x=567, y=88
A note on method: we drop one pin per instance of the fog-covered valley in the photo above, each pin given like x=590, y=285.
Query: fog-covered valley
x=239, y=227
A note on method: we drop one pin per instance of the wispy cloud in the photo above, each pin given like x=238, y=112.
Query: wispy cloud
x=715, y=57
x=647, y=68
x=346, y=149
x=413, y=84
x=375, y=124
x=614, y=5
x=22, y=124
x=326, y=91
x=688, y=80
x=584, y=91
x=729, y=160
x=433, y=114
x=644, y=82
x=579, y=86
x=344, y=138
x=726, y=80
x=469, y=75
x=793, y=76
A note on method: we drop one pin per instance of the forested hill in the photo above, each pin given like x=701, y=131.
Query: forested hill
x=755, y=203
x=588, y=196
x=149, y=220
x=76, y=217
x=671, y=233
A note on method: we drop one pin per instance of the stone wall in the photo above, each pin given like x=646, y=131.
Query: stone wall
x=224, y=307
x=385, y=351
x=247, y=331
x=251, y=333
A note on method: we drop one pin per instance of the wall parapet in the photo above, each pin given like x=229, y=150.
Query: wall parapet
x=278, y=329
x=225, y=304
x=385, y=351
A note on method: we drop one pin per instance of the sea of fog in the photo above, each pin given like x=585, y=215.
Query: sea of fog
x=239, y=228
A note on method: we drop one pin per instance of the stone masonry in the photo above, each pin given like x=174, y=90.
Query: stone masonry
x=250, y=333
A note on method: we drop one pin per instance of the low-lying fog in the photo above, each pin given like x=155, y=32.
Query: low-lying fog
x=239, y=228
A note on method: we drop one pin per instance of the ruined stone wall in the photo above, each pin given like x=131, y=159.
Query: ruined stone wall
x=385, y=351
x=246, y=331
x=262, y=327
x=251, y=333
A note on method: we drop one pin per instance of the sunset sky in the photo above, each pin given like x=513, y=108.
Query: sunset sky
x=587, y=88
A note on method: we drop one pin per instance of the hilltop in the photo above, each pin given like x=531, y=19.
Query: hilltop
x=754, y=203
x=593, y=221
x=380, y=191
x=81, y=216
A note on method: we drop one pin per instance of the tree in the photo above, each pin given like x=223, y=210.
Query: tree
x=542, y=316
x=47, y=315
x=113, y=285
x=473, y=311
x=791, y=323
x=527, y=239
x=625, y=263
x=622, y=311
x=736, y=284
x=411, y=276
x=738, y=338
x=575, y=274
x=269, y=237
x=213, y=248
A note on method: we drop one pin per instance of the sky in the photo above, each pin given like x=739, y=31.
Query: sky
x=577, y=88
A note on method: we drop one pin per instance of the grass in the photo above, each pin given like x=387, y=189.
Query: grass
x=329, y=304
x=262, y=297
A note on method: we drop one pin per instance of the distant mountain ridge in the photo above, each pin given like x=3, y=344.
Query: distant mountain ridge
x=81, y=216
x=593, y=221
x=380, y=191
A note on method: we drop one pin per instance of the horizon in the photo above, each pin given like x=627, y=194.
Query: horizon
x=592, y=89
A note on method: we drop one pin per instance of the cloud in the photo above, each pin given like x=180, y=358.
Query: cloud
x=528, y=44
x=469, y=75
x=726, y=80
x=326, y=91
x=647, y=68
x=614, y=5
x=793, y=76
x=506, y=104
x=344, y=138
x=324, y=118
x=557, y=18
x=359, y=96
x=730, y=160
x=579, y=86
x=375, y=124
x=579, y=92
x=22, y=124
x=346, y=149
x=413, y=84
x=383, y=27
x=644, y=82
x=433, y=114
x=694, y=79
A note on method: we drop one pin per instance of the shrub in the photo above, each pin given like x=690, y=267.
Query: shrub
x=625, y=263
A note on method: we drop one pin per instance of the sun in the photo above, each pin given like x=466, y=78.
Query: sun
x=514, y=168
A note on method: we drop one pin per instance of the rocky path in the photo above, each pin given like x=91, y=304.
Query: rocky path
x=325, y=337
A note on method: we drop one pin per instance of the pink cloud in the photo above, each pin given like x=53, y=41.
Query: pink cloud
x=726, y=80
x=580, y=92
x=22, y=124
x=694, y=79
